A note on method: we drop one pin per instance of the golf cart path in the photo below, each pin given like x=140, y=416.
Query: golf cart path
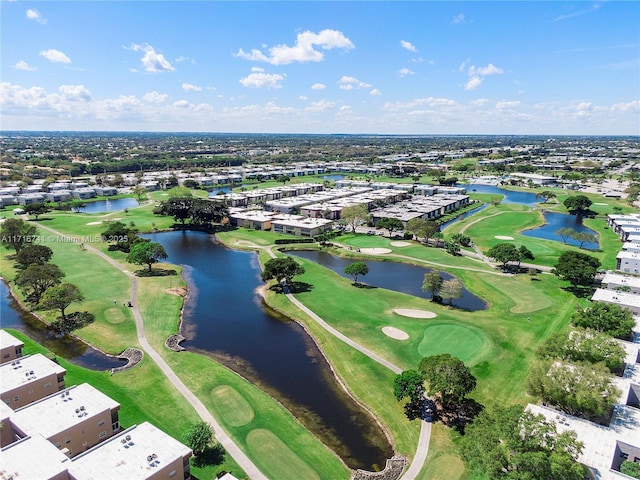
x=229, y=445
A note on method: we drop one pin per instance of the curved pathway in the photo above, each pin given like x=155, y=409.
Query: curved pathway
x=425, y=427
x=229, y=445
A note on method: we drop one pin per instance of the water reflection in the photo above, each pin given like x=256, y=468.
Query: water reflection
x=399, y=277
x=102, y=206
x=555, y=221
x=68, y=347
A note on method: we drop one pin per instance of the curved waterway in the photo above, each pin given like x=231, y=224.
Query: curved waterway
x=554, y=222
x=224, y=317
x=12, y=315
x=399, y=277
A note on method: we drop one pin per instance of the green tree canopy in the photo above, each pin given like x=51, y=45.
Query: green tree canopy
x=354, y=215
x=36, y=279
x=421, y=228
x=578, y=205
x=565, y=233
x=356, y=269
x=281, y=268
x=15, y=233
x=506, y=443
x=408, y=384
x=579, y=389
x=37, y=209
x=59, y=297
x=524, y=254
x=199, y=437
x=391, y=224
x=34, y=254
x=432, y=283
x=504, y=253
x=577, y=268
x=631, y=469
x=448, y=377
x=451, y=289
x=546, y=195
x=146, y=253
x=604, y=317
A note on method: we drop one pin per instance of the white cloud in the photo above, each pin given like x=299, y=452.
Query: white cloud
x=318, y=86
x=22, y=65
x=349, y=83
x=155, y=97
x=459, y=18
x=405, y=71
x=303, y=50
x=75, y=92
x=490, y=69
x=33, y=14
x=257, y=69
x=375, y=92
x=408, y=46
x=633, y=106
x=261, y=79
x=479, y=102
x=463, y=65
x=320, y=106
x=55, y=56
x=302, y=97
x=578, y=13
x=473, y=83
x=419, y=102
x=507, y=105
x=187, y=87
x=152, y=61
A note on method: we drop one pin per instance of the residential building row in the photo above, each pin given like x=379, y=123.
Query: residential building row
x=54, y=432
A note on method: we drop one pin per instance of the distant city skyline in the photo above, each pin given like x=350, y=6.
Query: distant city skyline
x=415, y=68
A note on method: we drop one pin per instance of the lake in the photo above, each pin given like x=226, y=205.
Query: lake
x=510, y=196
x=399, y=277
x=555, y=221
x=225, y=317
x=103, y=206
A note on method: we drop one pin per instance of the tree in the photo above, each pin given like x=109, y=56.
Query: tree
x=205, y=212
x=507, y=443
x=565, y=233
x=432, y=283
x=59, y=297
x=354, y=215
x=604, y=317
x=77, y=205
x=578, y=205
x=424, y=229
x=452, y=248
x=146, y=253
x=36, y=279
x=179, y=192
x=582, y=345
x=546, y=195
x=461, y=238
x=283, y=179
x=120, y=237
x=631, y=469
x=524, y=254
x=16, y=233
x=391, y=224
x=37, y=209
x=408, y=384
x=281, y=268
x=355, y=269
x=199, y=437
x=448, y=377
x=577, y=268
x=584, y=237
x=504, y=253
x=180, y=208
x=579, y=389
x=140, y=192
x=34, y=254
x=451, y=289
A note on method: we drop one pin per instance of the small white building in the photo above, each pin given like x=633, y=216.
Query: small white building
x=628, y=261
x=617, y=282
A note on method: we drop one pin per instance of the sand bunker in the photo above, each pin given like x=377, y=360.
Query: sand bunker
x=93, y=223
x=408, y=312
x=400, y=244
x=395, y=333
x=375, y=251
x=603, y=204
x=503, y=237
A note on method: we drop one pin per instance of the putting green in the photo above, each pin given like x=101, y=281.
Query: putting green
x=277, y=460
x=466, y=343
x=232, y=406
x=114, y=315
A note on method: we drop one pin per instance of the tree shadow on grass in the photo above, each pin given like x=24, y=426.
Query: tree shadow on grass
x=155, y=272
x=294, y=287
x=580, y=292
x=211, y=456
x=363, y=285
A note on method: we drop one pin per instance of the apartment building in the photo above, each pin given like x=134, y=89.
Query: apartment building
x=10, y=347
x=28, y=379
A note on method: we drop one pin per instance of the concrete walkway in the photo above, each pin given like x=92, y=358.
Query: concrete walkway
x=229, y=445
x=422, y=449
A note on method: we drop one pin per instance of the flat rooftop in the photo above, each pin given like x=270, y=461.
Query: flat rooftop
x=126, y=456
x=62, y=410
x=33, y=457
x=7, y=340
x=18, y=372
x=618, y=279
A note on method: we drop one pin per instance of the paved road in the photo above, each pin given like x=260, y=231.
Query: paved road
x=238, y=455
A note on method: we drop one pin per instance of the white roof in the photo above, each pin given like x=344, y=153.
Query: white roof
x=62, y=410
x=8, y=340
x=612, y=296
x=618, y=279
x=33, y=457
x=115, y=460
x=303, y=222
x=18, y=372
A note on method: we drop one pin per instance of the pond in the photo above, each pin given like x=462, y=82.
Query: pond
x=510, y=196
x=225, y=317
x=68, y=347
x=103, y=206
x=399, y=277
x=333, y=177
x=219, y=191
x=555, y=221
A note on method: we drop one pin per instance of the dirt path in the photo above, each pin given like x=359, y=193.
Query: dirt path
x=229, y=445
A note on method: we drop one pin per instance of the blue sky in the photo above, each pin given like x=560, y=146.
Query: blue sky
x=510, y=67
